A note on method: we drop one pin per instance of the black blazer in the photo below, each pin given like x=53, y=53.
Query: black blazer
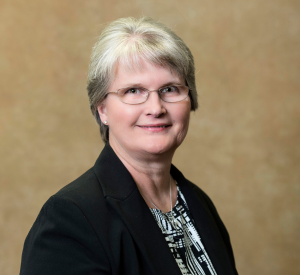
x=100, y=224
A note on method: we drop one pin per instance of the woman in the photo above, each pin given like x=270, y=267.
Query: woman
x=134, y=212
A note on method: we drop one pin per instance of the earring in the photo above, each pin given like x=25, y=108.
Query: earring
x=105, y=121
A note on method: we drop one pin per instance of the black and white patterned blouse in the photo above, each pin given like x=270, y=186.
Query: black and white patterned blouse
x=183, y=239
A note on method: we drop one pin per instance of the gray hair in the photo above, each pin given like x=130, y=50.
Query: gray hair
x=130, y=40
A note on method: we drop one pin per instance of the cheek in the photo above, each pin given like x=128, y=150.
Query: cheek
x=185, y=124
x=182, y=118
x=183, y=113
x=121, y=115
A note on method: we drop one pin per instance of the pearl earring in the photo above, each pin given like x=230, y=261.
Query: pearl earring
x=105, y=121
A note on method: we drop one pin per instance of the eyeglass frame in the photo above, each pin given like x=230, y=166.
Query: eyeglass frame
x=148, y=92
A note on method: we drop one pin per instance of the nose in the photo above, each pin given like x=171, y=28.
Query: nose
x=154, y=104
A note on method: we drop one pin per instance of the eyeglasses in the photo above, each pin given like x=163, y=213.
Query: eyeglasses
x=171, y=94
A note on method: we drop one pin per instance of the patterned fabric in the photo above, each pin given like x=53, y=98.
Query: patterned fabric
x=183, y=239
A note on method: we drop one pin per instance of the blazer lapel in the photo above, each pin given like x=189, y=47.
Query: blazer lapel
x=206, y=225
x=123, y=195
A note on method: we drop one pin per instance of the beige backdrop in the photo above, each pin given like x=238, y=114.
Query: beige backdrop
x=243, y=146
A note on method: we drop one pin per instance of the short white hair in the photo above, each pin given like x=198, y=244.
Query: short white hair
x=130, y=40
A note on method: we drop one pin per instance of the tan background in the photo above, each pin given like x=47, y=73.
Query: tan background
x=243, y=146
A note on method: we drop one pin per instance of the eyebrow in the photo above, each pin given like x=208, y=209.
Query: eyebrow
x=140, y=85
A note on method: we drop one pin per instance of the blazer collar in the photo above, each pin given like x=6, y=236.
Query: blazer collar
x=114, y=178
x=121, y=192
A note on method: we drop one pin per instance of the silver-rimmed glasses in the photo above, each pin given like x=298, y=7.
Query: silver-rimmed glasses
x=134, y=95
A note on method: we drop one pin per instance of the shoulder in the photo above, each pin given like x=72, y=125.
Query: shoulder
x=194, y=192
x=189, y=187
x=85, y=192
x=87, y=183
x=206, y=200
x=64, y=234
x=82, y=199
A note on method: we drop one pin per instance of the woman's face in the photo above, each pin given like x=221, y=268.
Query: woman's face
x=155, y=126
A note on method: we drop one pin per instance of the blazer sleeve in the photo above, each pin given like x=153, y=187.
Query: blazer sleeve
x=62, y=241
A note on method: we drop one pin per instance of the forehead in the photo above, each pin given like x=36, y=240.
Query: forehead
x=142, y=70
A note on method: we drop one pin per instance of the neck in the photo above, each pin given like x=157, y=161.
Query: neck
x=151, y=174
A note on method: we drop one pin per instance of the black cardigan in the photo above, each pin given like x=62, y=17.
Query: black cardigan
x=100, y=224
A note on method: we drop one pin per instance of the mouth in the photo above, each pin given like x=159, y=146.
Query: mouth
x=154, y=126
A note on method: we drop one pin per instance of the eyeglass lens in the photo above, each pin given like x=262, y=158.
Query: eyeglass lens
x=173, y=93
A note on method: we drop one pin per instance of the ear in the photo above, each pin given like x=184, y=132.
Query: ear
x=102, y=112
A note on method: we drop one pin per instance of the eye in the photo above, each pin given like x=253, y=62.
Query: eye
x=169, y=89
x=133, y=91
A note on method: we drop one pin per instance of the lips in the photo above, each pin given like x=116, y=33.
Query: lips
x=155, y=126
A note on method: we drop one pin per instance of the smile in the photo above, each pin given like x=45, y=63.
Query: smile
x=154, y=128
x=164, y=126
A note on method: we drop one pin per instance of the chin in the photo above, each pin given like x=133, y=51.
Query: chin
x=158, y=148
